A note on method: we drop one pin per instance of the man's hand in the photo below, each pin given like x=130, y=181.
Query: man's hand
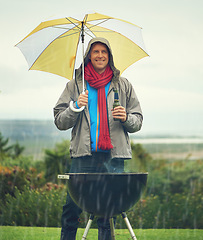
x=83, y=99
x=119, y=113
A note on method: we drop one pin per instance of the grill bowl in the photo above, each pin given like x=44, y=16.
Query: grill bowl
x=106, y=194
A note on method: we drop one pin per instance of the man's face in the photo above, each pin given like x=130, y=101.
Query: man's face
x=99, y=57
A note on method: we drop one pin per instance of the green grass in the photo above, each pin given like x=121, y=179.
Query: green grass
x=34, y=233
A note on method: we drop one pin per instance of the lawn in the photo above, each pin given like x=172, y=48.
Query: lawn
x=33, y=233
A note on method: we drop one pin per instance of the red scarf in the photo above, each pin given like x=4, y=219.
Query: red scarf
x=99, y=82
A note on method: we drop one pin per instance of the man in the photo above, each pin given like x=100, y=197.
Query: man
x=98, y=143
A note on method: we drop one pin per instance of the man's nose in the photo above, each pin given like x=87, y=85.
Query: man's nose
x=100, y=54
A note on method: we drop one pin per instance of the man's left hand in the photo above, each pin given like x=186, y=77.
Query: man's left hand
x=119, y=113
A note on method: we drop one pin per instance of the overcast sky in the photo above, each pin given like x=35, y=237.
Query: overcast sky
x=169, y=83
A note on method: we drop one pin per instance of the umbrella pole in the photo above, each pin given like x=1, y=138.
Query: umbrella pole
x=83, y=72
x=83, y=60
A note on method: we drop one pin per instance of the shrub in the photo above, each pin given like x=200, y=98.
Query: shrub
x=19, y=178
x=171, y=177
x=11, y=178
x=144, y=214
x=182, y=211
x=34, y=207
x=177, y=211
x=43, y=207
x=23, y=162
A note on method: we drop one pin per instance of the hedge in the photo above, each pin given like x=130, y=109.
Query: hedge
x=43, y=207
x=34, y=207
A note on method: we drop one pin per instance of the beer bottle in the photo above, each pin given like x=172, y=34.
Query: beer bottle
x=116, y=101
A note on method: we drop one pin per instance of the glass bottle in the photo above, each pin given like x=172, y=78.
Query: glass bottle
x=116, y=101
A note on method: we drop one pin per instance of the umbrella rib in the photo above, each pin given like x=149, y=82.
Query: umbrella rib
x=73, y=23
x=85, y=18
x=104, y=31
x=76, y=25
x=89, y=34
x=78, y=28
x=68, y=34
x=64, y=28
x=98, y=23
x=89, y=28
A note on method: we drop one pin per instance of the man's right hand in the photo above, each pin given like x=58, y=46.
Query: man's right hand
x=83, y=99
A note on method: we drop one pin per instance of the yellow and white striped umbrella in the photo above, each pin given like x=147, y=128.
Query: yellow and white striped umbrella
x=54, y=45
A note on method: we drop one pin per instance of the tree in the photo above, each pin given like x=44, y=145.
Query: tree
x=17, y=150
x=4, y=148
x=140, y=159
x=57, y=161
x=13, y=151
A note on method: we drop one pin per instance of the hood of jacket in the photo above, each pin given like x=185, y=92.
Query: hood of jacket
x=116, y=72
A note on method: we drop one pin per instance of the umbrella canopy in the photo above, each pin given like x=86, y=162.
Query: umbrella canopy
x=54, y=45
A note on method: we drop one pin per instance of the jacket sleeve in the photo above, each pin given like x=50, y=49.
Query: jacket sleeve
x=133, y=110
x=64, y=117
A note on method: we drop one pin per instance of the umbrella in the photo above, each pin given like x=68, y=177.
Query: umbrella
x=54, y=45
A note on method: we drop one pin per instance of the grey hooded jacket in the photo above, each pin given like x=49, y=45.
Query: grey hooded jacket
x=65, y=118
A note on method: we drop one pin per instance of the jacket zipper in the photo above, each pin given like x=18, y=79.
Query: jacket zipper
x=97, y=131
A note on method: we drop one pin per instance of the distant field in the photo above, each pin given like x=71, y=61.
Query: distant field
x=37, y=135
x=36, y=147
x=175, y=151
x=33, y=233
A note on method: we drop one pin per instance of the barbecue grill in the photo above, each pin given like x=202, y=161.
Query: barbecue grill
x=106, y=194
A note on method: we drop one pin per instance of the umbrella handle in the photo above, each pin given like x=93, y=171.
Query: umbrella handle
x=83, y=68
x=76, y=109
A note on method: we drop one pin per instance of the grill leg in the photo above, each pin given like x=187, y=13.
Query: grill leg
x=128, y=226
x=88, y=226
x=112, y=229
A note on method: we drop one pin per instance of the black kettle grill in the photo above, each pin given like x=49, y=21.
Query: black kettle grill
x=106, y=194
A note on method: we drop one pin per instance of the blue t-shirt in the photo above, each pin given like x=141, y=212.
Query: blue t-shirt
x=94, y=115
